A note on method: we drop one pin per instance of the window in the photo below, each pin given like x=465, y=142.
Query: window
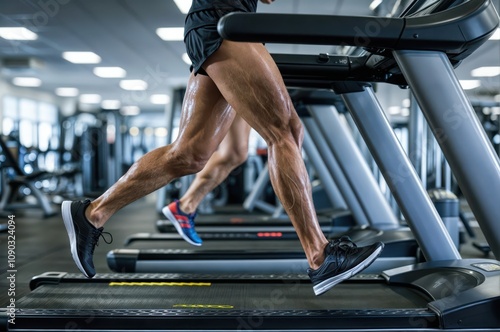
x=10, y=116
x=47, y=129
x=35, y=125
x=27, y=124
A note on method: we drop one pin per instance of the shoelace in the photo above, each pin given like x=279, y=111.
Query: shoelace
x=96, y=234
x=344, y=243
x=342, y=246
x=191, y=220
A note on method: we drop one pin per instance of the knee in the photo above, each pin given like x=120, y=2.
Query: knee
x=196, y=164
x=297, y=130
x=235, y=156
x=190, y=161
x=291, y=133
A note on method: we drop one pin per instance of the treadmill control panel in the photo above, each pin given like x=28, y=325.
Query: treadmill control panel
x=488, y=267
x=338, y=60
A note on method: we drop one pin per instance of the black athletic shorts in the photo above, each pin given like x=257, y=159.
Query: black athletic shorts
x=203, y=41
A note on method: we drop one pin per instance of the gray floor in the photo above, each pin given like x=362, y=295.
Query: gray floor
x=42, y=244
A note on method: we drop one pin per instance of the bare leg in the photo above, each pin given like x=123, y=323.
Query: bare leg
x=205, y=120
x=260, y=97
x=231, y=153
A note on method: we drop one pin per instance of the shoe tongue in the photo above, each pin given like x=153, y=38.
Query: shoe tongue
x=345, y=238
x=344, y=243
x=347, y=245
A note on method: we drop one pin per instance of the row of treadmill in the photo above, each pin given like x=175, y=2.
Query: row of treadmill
x=420, y=282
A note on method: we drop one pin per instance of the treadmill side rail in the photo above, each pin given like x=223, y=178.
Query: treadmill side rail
x=217, y=320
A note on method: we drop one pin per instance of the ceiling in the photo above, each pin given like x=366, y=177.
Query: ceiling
x=122, y=33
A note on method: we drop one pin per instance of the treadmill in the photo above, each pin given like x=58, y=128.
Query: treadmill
x=446, y=293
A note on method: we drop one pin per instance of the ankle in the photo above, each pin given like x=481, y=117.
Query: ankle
x=317, y=261
x=318, y=257
x=93, y=217
x=187, y=207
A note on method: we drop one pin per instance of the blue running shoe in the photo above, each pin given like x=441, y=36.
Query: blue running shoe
x=343, y=259
x=183, y=223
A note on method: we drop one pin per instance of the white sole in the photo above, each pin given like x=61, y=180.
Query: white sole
x=171, y=218
x=68, y=223
x=329, y=283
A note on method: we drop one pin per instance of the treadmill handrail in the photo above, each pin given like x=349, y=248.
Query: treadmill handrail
x=448, y=30
x=308, y=29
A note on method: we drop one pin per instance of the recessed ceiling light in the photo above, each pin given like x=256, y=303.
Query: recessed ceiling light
x=495, y=35
x=170, y=34
x=110, y=72
x=186, y=59
x=134, y=131
x=133, y=85
x=17, y=34
x=130, y=110
x=470, y=84
x=183, y=5
x=29, y=82
x=487, y=71
x=90, y=98
x=67, y=92
x=110, y=104
x=159, y=99
x=394, y=110
x=82, y=57
x=161, y=132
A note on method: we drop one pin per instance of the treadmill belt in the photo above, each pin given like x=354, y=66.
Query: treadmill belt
x=220, y=296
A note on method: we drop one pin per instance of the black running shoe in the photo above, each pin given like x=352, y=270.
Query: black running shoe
x=343, y=259
x=83, y=236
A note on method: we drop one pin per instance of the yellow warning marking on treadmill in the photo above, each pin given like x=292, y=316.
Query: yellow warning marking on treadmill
x=167, y=284
x=203, y=306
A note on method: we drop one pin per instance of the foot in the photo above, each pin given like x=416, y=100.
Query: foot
x=83, y=236
x=183, y=223
x=343, y=259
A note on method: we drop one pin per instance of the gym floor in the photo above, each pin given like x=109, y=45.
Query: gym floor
x=42, y=244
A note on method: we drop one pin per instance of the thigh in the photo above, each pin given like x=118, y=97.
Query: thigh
x=205, y=117
x=250, y=81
